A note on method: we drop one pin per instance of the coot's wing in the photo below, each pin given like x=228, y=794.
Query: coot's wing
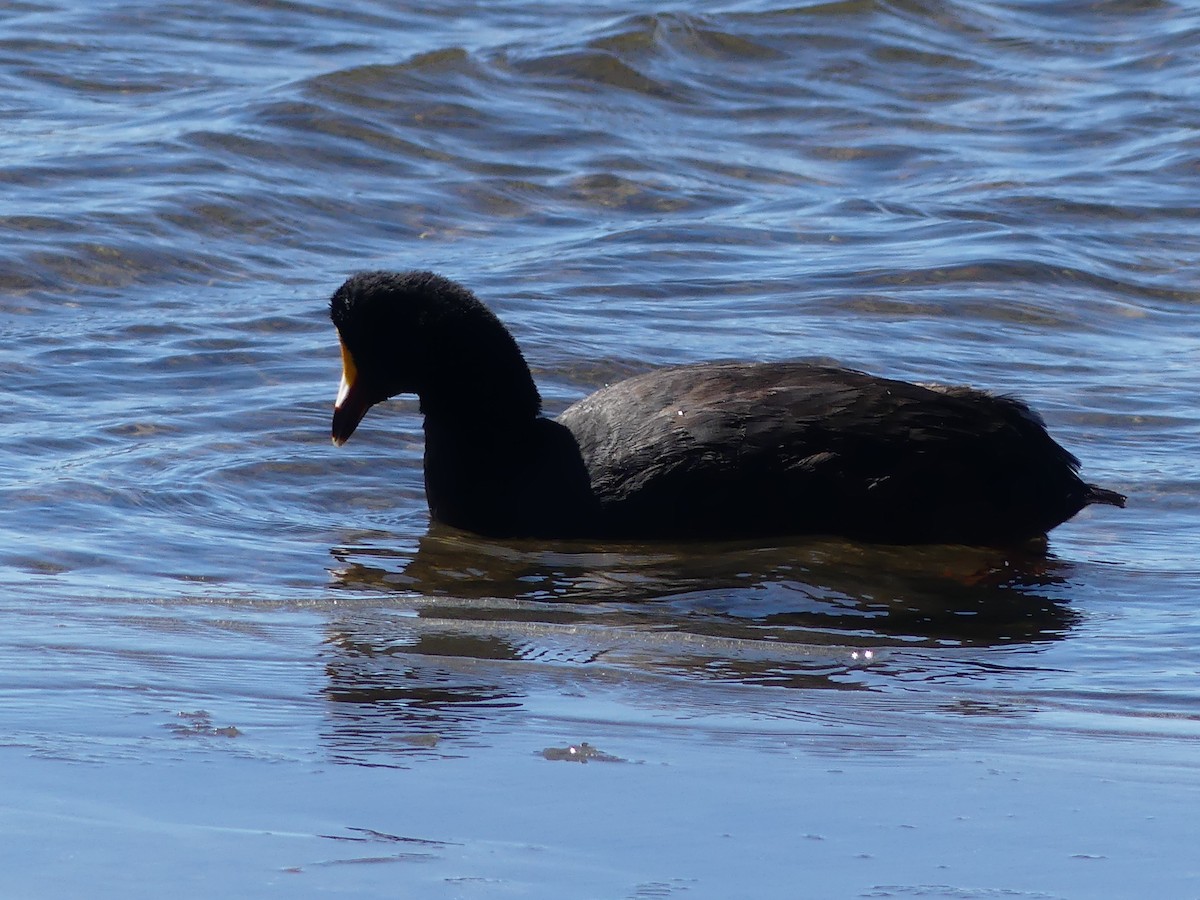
x=735, y=449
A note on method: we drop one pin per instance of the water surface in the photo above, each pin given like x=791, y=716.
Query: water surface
x=237, y=659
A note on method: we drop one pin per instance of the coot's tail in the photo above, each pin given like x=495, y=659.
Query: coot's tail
x=1095, y=494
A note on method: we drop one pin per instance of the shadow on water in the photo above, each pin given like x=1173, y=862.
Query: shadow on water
x=478, y=624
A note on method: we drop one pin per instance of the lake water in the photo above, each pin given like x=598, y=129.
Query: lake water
x=235, y=660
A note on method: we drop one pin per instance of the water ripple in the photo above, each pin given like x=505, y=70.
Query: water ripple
x=997, y=194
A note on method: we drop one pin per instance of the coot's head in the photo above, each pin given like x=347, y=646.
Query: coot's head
x=420, y=333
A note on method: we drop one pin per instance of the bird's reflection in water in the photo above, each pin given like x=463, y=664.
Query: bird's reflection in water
x=476, y=622
x=923, y=594
x=391, y=697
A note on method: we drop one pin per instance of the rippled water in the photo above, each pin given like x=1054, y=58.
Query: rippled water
x=224, y=639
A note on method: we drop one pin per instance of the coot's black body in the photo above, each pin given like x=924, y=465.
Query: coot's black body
x=708, y=450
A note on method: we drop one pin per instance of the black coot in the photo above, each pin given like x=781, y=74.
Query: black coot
x=709, y=450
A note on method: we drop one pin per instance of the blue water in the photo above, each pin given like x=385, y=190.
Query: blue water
x=224, y=638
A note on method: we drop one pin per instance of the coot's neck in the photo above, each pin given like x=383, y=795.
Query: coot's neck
x=493, y=465
x=476, y=378
x=516, y=478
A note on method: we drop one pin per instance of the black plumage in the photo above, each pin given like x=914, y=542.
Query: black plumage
x=707, y=450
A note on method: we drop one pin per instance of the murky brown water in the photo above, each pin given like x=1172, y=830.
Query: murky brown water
x=234, y=659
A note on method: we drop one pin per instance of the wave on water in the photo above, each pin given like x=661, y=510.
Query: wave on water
x=996, y=194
